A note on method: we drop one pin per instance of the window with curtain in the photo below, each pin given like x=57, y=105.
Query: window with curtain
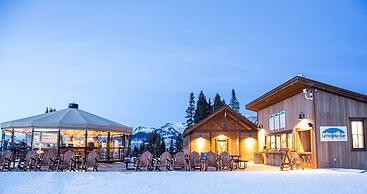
x=358, y=134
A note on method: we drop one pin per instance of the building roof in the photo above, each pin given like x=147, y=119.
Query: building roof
x=295, y=86
x=250, y=125
x=70, y=118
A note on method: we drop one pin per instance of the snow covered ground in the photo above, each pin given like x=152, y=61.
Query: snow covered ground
x=308, y=181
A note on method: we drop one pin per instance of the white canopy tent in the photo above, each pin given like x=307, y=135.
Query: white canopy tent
x=70, y=128
x=70, y=118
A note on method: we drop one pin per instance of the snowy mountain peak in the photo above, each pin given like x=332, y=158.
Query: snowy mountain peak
x=168, y=132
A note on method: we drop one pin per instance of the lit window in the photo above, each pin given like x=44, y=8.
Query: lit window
x=283, y=141
x=268, y=142
x=72, y=138
x=278, y=142
x=357, y=134
x=272, y=142
x=290, y=141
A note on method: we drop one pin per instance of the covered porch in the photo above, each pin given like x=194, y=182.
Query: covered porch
x=223, y=131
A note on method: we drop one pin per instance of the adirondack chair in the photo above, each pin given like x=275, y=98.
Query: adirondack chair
x=90, y=162
x=48, y=159
x=291, y=160
x=146, y=161
x=5, y=160
x=211, y=160
x=179, y=161
x=28, y=162
x=297, y=162
x=226, y=161
x=165, y=160
x=195, y=161
x=66, y=162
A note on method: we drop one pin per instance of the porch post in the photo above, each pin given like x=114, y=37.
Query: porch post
x=210, y=137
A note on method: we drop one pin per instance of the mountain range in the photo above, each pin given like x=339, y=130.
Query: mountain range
x=168, y=132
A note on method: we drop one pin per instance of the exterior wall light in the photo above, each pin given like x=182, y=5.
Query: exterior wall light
x=301, y=116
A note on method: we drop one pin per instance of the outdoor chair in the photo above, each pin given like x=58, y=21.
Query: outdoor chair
x=179, y=161
x=195, y=161
x=226, y=161
x=66, y=162
x=90, y=162
x=165, y=161
x=28, y=162
x=297, y=161
x=48, y=159
x=5, y=160
x=211, y=160
x=146, y=161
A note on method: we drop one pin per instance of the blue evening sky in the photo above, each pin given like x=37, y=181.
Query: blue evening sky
x=136, y=62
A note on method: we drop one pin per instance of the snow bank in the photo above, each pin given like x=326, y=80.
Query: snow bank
x=308, y=181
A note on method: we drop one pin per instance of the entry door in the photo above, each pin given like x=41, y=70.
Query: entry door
x=304, y=141
x=221, y=146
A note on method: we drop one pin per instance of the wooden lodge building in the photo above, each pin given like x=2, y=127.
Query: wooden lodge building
x=325, y=125
x=223, y=130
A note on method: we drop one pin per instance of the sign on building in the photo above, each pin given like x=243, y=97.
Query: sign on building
x=333, y=133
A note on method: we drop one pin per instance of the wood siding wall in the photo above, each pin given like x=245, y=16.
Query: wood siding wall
x=221, y=127
x=335, y=110
x=292, y=107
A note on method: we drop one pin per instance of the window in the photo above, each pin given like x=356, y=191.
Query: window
x=283, y=141
x=272, y=142
x=22, y=137
x=290, y=141
x=267, y=142
x=7, y=138
x=278, y=142
x=45, y=138
x=72, y=138
x=357, y=134
x=276, y=121
x=97, y=139
x=271, y=122
x=282, y=119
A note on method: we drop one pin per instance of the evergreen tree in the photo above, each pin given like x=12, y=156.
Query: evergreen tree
x=171, y=148
x=210, y=108
x=203, y=108
x=162, y=147
x=153, y=143
x=179, y=143
x=190, y=112
x=234, y=104
x=46, y=110
x=218, y=102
